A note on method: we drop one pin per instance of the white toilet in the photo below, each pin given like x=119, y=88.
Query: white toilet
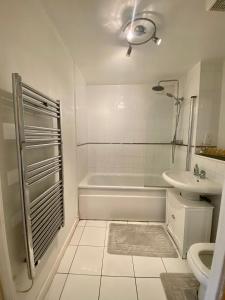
x=199, y=258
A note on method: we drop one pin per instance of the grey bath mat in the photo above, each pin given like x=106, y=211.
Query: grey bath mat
x=140, y=240
x=179, y=286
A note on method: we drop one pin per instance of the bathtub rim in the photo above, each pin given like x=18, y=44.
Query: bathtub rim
x=84, y=183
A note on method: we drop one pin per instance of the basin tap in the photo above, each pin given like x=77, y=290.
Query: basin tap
x=199, y=173
x=196, y=170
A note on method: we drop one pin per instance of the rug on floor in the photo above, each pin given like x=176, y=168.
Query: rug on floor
x=178, y=286
x=140, y=240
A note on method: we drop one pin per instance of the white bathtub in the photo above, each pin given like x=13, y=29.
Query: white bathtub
x=123, y=197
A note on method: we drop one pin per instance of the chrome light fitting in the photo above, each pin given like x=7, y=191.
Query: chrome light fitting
x=139, y=31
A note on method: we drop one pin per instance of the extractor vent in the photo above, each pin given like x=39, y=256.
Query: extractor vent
x=216, y=5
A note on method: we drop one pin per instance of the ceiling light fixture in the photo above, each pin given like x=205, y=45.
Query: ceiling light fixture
x=139, y=31
x=157, y=40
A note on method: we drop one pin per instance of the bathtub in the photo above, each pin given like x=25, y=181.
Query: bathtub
x=123, y=197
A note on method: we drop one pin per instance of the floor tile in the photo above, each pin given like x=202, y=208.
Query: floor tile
x=148, y=266
x=150, y=289
x=67, y=259
x=176, y=265
x=81, y=287
x=93, y=223
x=77, y=235
x=56, y=287
x=82, y=223
x=117, y=265
x=93, y=236
x=88, y=260
x=118, y=288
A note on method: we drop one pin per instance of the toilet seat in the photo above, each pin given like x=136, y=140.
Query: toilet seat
x=200, y=270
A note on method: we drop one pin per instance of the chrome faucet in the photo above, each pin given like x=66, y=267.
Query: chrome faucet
x=199, y=173
x=196, y=170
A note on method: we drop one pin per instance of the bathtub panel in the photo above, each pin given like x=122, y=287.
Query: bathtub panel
x=134, y=207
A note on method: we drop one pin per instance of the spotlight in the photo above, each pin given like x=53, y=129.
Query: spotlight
x=129, y=50
x=157, y=40
x=130, y=36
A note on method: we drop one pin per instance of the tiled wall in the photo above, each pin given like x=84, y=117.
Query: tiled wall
x=128, y=113
x=128, y=158
x=81, y=124
x=123, y=122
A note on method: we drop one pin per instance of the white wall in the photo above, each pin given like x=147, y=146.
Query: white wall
x=192, y=87
x=215, y=169
x=135, y=116
x=209, y=103
x=221, y=135
x=132, y=159
x=81, y=124
x=31, y=47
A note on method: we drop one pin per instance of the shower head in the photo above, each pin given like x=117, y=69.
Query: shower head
x=158, y=88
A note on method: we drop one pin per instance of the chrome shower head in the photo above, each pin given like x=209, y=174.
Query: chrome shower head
x=158, y=88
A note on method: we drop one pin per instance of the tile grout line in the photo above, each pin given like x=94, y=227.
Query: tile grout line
x=99, y=292
x=93, y=246
x=163, y=265
x=72, y=261
x=112, y=276
x=132, y=259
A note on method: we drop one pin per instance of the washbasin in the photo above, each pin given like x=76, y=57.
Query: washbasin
x=191, y=186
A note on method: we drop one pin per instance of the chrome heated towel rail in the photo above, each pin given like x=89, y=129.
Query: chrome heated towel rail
x=43, y=214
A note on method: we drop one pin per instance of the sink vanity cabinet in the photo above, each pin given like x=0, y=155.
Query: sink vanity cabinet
x=187, y=221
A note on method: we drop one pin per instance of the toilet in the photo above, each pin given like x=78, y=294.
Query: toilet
x=199, y=258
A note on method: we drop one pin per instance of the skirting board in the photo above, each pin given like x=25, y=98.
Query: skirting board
x=53, y=271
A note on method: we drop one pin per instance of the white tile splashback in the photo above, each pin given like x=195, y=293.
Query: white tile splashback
x=128, y=113
x=82, y=160
x=128, y=158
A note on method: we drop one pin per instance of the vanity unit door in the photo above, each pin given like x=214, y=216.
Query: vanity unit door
x=176, y=220
x=188, y=222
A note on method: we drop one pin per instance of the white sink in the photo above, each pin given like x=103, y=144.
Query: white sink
x=191, y=186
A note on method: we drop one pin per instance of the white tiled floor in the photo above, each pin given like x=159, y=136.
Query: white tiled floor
x=118, y=288
x=67, y=259
x=150, y=289
x=88, y=260
x=93, y=236
x=117, y=265
x=148, y=266
x=88, y=272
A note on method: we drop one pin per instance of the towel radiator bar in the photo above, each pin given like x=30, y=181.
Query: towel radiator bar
x=43, y=215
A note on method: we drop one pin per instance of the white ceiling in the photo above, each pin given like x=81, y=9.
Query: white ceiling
x=91, y=29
